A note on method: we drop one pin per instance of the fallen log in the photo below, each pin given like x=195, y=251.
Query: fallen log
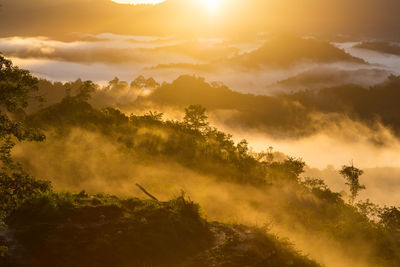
x=147, y=193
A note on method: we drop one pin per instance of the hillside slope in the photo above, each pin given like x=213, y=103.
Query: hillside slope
x=81, y=230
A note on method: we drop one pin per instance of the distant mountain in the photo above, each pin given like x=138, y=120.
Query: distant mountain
x=385, y=47
x=289, y=50
x=322, y=77
x=278, y=52
x=285, y=115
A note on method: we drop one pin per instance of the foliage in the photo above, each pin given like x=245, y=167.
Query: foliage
x=189, y=146
x=370, y=105
x=142, y=82
x=257, y=248
x=302, y=206
x=81, y=230
x=275, y=114
x=288, y=170
x=195, y=117
x=351, y=174
x=17, y=88
x=103, y=229
x=390, y=219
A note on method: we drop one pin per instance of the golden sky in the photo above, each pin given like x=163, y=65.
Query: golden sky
x=208, y=5
x=201, y=18
x=138, y=1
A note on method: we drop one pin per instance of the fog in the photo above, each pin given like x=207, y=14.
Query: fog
x=344, y=143
x=381, y=60
x=268, y=115
x=382, y=183
x=334, y=144
x=102, y=57
x=76, y=162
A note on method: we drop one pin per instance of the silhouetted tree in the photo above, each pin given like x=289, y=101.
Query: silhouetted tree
x=351, y=174
x=17, y=87
x=243, y=148
x=195, y=117
x=139, y=82
x=154, y=115
x=142, y=82
x=86, y=91
x=390, y=219
x=288, y=170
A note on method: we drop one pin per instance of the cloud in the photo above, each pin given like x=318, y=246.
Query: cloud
x=329, y=76
x=381, y=183
x=376, y=58
x=111, y=169
x=107, y=49
x=101, y=57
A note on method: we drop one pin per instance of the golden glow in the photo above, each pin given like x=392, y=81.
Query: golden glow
x=211, y=5
x=137, y=2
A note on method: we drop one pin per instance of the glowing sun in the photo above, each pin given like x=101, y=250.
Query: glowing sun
x=211, y=5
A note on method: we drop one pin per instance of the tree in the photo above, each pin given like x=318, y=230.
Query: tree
x=287, y=170
x=154, y=116
x=270, y=154
x=390, y=219
x=141, y=82
x=195, y=117
x=85, y=91
x=17, y=89
x=243, y=148
x=351, y=174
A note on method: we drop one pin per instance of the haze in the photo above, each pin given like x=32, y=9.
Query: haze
x=199, y=133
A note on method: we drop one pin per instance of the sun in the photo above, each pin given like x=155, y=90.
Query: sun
x=211, y=5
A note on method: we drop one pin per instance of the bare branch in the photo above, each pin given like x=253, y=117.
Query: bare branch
x=147, y=193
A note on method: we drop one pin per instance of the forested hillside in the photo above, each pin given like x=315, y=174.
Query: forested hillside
x=86, y=211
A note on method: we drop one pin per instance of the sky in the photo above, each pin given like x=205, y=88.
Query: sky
x=208, y=18
x=153, y=2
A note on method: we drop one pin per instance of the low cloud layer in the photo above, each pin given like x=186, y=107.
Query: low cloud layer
x=104, y=56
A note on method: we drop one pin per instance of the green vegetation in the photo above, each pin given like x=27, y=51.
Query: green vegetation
x=45, y=226
x=289, y=115
x=81, y=230
x=16, y=88
x=285, y=115
x=351, y=174
x=376, y=103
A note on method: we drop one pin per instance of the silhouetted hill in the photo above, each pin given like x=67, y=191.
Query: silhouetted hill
x=287, y=51
x=277, y=115
x=323, y=77
x=278, y=52
x=377, y=102
x=81, y=230
x=289, y=114
x=385, y=47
